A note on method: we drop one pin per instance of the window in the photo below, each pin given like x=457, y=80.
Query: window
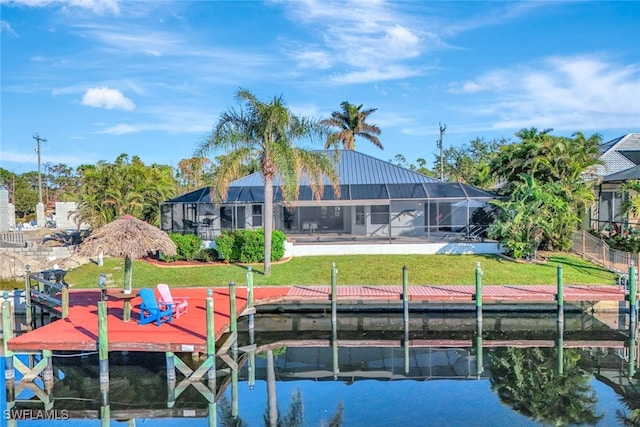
x=359, y=215
x=380, y=214
x=241, y=219
x=225, y=218
x=256, y=215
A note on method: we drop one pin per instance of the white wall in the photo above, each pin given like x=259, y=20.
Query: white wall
x=292, y=250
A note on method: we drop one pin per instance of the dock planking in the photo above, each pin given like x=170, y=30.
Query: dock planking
x=79, y=331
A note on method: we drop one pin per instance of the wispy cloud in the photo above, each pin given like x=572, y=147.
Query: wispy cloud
x=580, y=92
x=104, y=97
x=5, y=27
x=95, y=6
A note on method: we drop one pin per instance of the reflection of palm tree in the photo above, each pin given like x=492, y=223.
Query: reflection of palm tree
x=226, y=415
x=527, y=379
x=630, y=397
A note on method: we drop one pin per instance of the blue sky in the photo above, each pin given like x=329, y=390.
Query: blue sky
x=97, y=78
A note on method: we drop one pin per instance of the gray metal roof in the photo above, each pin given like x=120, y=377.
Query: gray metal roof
x=613, y=156
x=362, y=177
x=625, y=175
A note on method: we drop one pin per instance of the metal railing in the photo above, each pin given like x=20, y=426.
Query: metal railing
x=598, y=251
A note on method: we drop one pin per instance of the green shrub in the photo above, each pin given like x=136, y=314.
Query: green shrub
x=187, y=246
x=277, y=245
x=206, y=255
x=247, y=246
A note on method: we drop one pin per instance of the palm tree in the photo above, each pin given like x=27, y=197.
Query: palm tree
x=264, y=132
x=351, y=122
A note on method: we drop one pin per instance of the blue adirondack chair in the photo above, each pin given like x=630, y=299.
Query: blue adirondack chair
x=151, y=311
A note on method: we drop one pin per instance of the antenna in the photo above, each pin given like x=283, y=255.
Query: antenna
x=38, y=141
x=443, y=128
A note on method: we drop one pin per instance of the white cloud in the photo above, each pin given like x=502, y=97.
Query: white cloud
x=104, y=97
x=95, y=6
x=564, y=93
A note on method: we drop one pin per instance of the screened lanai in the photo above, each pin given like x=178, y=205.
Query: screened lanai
x=376, y=198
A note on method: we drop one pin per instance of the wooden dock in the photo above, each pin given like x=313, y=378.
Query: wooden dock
x=79, y=331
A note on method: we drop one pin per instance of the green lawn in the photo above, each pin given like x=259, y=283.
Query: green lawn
x=357, y=270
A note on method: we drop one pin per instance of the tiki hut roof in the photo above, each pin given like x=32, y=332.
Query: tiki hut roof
x=127, y=237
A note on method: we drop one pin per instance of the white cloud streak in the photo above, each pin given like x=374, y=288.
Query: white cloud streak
x=580, y=92
x=96, y=6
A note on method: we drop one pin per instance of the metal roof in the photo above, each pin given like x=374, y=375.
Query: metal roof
x=625, y=175
x=615, y=154
x=362, y=177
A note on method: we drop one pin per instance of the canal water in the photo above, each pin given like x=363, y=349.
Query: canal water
x=370, y=369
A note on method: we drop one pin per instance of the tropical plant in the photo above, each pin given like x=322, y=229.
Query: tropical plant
x=533, y=212
x=470, y=163
x=125, y=187
x=557, y=166
x=266, y=132
x=351, y=122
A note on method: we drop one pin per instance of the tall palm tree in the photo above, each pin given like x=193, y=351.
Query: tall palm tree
x=266, y=132
x=351, y=122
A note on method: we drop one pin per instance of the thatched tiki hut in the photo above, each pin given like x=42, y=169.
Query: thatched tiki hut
x=130, y=238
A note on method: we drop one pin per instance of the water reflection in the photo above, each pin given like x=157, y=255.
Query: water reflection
x=375, y=369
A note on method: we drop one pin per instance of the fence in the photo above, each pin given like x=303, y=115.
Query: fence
x=598, y=251
x=12, y=237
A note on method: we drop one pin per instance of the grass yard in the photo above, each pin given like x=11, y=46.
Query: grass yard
x=356, y=270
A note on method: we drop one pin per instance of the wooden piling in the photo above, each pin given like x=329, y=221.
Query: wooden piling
x=633, y=342
x=334, y=293
x=103, y=342
x=233, y=315
x=405, y=295
x=211, y=339
x=27, y=296
x=478, y=293
x=7, y=334
x=632, y=293
x=250, y=298
x=211, y=354
x=559, y=295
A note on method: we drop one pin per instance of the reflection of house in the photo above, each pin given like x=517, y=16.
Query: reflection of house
x=377, y=199
x=620, y=163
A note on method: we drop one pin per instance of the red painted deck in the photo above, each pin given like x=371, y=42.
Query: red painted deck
x=79, y=332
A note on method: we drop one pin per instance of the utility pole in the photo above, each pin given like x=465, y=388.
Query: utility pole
x=443, y=128
x=38, y=141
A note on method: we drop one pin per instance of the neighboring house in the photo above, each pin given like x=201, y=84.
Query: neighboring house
x=620, y=159
x=377, y=199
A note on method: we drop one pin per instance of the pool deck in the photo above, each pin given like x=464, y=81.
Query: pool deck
x=79, y=331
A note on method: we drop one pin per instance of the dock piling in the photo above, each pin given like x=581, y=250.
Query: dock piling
x=103, y=342
x=250, y=298
x=478, y=293
x=559, y=295
x=405, y=295
x=27, y=296
x=7, y=334
x=334, y=293
x=632, y=294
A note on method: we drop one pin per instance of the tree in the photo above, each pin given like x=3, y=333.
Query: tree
x=351, y=122
x=265, y=132
x=470, y=163
x=111, y=190
x=556, y=165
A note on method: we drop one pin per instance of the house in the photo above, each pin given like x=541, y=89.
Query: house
x=377, y=199
x=620, y=162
